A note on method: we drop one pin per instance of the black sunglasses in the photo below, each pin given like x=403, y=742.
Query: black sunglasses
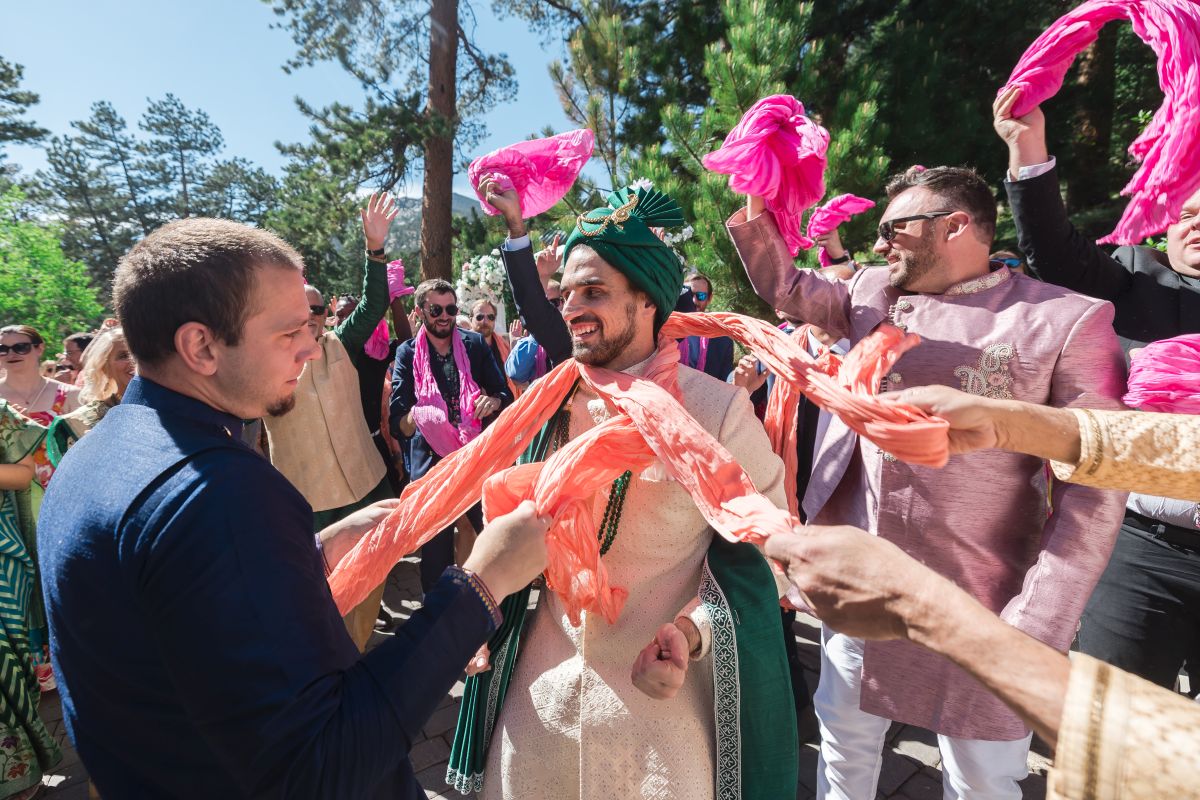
x=482, y=317
x=318, y=311
x=887, y=228
x=20, y=348
x=557, y=302
x=435, y=311
x=701, y=296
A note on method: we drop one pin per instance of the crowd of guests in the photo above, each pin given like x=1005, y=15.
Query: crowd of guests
x=264, y=428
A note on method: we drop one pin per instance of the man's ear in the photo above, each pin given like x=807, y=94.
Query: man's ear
x=956, y=223
x=196, y=346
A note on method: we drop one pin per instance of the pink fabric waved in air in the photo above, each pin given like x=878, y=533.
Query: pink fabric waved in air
x=829, y=216
x=395, y=277
x=541, y=170
x=430, y=413
x=377, y=345
x=776, y=153
x=1165, y=376
x=652, y=424
x=1169, y=149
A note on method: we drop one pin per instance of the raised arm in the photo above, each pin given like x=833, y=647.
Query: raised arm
x=1056, y=251
x=377, y=216
x=543, y=321
x=821, y=300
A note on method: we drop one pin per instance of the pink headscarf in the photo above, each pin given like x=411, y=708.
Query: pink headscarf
x=541, y=170
x=1165, y=376
x=778, y=154
x=1167, y=149
x=832, y=214
x=430, y=413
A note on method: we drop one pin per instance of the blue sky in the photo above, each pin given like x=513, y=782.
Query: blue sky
x=222, y=56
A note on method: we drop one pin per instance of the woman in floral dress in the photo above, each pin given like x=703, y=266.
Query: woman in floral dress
x=27, y=749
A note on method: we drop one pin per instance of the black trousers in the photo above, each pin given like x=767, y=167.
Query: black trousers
x=438, y=552
x=1144, y=616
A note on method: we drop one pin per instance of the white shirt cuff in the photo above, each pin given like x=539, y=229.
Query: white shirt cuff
x=519, y=243
x=1033, y=170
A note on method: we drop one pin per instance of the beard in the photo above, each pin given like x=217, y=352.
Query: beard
x=438, y=332
x=916, y=264
x=281, y=407
x=606, y=348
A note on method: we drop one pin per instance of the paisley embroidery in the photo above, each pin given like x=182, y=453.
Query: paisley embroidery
x=980, y=284
x=990, y=377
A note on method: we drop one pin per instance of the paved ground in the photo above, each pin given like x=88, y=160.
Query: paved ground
x=910, y=766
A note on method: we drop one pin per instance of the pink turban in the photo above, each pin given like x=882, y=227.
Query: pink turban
x=541, y=170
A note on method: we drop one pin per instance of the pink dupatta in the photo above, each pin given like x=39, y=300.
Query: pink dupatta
x=430, y=413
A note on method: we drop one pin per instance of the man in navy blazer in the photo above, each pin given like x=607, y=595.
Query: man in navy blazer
x=198, y=650
x=437, y=305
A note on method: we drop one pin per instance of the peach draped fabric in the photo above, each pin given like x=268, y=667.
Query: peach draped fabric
x=651, y=425
x=1168, y=151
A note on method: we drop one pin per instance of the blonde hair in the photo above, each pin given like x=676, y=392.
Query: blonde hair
x=98, y=384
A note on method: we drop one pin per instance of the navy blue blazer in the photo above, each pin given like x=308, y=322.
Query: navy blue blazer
x=418, y=455
x=197, y=647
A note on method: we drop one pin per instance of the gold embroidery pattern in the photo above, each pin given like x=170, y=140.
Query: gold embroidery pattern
x=990, y=377
x=980, y=284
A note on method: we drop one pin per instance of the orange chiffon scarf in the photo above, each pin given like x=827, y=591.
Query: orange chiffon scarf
x=651, y=424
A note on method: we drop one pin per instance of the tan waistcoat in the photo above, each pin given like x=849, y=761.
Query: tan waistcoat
x=323, y=445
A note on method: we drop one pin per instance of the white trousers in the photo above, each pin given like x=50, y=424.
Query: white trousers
x=852, y=740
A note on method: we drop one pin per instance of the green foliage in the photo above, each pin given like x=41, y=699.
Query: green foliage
x=39, y=285
x=15, y=102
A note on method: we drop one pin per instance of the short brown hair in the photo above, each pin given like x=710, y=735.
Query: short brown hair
x=24, y=330
x=432, y=286
x=192, y=270
x=692, y=276
x=962, y=190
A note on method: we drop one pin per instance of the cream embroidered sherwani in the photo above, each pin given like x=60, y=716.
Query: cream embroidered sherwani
x=573, y=725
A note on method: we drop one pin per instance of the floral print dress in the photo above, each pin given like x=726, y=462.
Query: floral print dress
x=26, y=748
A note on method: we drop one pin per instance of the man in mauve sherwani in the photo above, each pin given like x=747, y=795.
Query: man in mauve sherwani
x=988, y=521
x=707, y=711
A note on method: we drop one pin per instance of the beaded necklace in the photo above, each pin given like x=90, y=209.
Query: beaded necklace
x=611, y=520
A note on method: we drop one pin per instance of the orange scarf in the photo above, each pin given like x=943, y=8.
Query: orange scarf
x=651, y=424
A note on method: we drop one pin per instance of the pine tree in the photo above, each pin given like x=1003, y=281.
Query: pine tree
x=15, y=103
x=179, y=148
x=105, y=138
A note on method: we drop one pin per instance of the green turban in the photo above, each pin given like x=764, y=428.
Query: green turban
x=621, y=234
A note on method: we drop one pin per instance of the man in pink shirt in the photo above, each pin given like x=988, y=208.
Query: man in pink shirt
x=984, y=520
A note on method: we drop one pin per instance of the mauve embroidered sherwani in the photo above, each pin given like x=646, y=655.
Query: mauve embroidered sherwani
x=982, y=519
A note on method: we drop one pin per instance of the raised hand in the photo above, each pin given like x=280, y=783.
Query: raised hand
x=547, y=259
x=516, y=330
x=832, y=242
x=1025, y=136
x=507, y=203
x=377, y=218
x=746, y=374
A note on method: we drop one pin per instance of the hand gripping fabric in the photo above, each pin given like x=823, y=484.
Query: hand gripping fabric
x=1167, y=149
x=1165, y=376
x=776, y=153
x=829, y=216
x=541, y=170
x=651, y=424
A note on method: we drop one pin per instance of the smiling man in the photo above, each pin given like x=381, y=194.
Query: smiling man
x=574, y=724
x=1143, y=617
x=198, y=650
x=983, y=521
x=446, y=387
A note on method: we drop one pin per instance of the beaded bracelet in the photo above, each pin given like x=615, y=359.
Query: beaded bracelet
x=480, y=588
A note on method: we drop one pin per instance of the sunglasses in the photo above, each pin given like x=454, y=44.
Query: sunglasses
x=318, y=311
x=701, y=296
x=482, y=317
x=435, y=311
x=557, y=302
x=1010, y=262
x=20, y=348
x=887, y=229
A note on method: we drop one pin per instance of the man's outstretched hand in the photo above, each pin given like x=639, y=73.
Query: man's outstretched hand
x=508, y=204
x=377, y=218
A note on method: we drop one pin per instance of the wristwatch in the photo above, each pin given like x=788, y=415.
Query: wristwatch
x=377, y=253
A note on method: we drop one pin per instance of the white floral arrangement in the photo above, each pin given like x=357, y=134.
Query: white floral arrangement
x=483, y=278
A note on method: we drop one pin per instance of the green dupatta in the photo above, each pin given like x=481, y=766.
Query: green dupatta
x=757, y=746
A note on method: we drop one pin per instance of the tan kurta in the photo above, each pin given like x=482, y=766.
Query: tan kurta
x=573, y=725
x=323, y=445
x=1124, y=737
